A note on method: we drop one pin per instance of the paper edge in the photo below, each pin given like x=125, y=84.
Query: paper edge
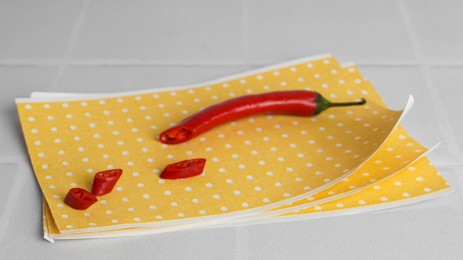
x=348, y=193
x=254, y=211
x=249, y=212
x=336, y=213
x=340, y=212
x=74, y=96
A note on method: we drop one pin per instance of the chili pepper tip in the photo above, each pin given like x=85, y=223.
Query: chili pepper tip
x=175, y=135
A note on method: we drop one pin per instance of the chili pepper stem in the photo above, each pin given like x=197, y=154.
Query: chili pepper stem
x=345, y=104
x=323, y=104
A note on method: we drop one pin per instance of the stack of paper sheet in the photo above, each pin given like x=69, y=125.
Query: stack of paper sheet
x=259, y=169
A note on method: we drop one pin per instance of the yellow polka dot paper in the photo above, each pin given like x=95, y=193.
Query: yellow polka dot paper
x=255, y=164
x=409, y=151
x=399, y=150
x=410, y=185
x=404, y=155
x=404, y=187
x=396, y=153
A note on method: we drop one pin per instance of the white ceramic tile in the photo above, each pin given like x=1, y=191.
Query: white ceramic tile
x=359, y=30
x=23, y=207
x=439, y=27
x=116, y=79
x=395, y=84
x=448, y=83
x=23, y=237
x=161, y=30
x=36, y=29
x=7, y=176
x=16, y=82
x=421, y=231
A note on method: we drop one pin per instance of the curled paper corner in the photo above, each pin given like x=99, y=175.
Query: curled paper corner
x=406, y=109
x=47, y=237
x=411, y=100
x=410, y=103
x=100, y=231
x=435, y=146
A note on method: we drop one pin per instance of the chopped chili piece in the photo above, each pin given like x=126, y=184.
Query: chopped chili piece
x=184, y=169
x=293, y=102
x=78, y=198
x=104, y=181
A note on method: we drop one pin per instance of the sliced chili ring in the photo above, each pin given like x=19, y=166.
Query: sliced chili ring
x=184, y=169
x=104, y=181
x=78, y=198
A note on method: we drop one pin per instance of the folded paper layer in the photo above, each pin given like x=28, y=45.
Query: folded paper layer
x=419, y=182
x=259, y=164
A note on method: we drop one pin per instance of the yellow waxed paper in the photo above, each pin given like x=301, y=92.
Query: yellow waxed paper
x=395, y=194
x=332, y=191
x=412, y=184
x=418, y=182
x=252, y=163
x=405, y=147
x=340, y=207
x=333, y=82
x=396, y=153
x=398, y=150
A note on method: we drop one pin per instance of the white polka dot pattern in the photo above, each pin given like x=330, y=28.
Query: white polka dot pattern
x=260, y=160
x=403, y=151
x=386, y=191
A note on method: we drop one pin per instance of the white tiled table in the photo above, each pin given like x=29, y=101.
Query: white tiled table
x=404, y=47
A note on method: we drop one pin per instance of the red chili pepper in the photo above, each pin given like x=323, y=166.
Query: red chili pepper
x=78, y=198
x=184, y=169
x=104, y=182
x=293, y=102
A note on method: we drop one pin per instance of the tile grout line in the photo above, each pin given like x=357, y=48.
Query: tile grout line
x=121, y=63
x=245, y=31
x=12, y=198
x=424, y=68
x=116, y=63
x=241, y=235
x=62, y=67
x=449, y=134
